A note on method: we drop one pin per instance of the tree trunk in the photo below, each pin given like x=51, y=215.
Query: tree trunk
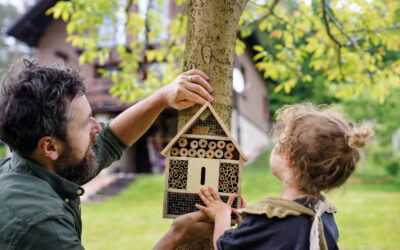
x=210, y=47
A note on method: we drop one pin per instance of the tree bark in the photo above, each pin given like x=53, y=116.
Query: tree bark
x=210, y=47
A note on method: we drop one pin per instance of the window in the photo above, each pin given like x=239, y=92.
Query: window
x=112, y=32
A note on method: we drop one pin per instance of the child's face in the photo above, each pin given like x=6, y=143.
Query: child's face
x=277, y=162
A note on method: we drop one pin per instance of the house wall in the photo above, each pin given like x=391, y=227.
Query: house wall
x=252, y=100
x=253, y=113
x=52, y=40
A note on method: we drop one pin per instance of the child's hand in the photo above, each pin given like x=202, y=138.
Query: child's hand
x=215, y=206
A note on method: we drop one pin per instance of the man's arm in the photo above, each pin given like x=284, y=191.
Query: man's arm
x=55, y=233
x=184, y=229
x=188, y=89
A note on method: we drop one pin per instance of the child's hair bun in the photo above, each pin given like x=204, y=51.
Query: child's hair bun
x=360, y=137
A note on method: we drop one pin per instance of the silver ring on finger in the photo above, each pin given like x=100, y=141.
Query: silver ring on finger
x=190, y=79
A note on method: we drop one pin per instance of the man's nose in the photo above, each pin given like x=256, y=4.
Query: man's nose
x=96, y=128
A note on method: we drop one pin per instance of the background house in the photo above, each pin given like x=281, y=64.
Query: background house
x=251, y=106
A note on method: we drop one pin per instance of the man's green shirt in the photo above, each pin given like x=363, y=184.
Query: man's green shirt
x=41, y=210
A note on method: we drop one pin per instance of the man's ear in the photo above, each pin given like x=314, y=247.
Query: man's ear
x=49, y=147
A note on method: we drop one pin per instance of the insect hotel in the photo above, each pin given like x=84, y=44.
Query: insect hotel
x=202, y=154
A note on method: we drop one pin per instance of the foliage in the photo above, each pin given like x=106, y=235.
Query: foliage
x=364, y=210
x=393, y=166
x=316, y=92
x=353, y=44
x=347, y=42
x=384, y=116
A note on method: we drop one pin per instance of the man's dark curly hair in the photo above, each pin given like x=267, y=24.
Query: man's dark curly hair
x=34, y=103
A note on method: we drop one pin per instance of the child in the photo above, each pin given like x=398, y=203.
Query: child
x=316, y=151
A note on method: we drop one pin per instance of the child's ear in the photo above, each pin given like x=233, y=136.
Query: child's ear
x=49, y=147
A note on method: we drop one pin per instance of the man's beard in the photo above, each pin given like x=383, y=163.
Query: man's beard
x=76, y=171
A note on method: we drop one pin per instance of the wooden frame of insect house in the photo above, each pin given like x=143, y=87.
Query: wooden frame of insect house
x=202, y=154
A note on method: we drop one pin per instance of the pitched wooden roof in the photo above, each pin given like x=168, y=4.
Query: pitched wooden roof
x=30, y=26
x=193, y=120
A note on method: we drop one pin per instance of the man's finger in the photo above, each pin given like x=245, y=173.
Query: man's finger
x=200, y=81
x=196, y=72
x=198, y=215
x=203, y=209
x=199, y=90
x=243, y=203
x=238, y=217
x=193, y=97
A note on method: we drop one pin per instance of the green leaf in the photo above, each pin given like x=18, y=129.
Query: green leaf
x=258, y=48
x=71, y=27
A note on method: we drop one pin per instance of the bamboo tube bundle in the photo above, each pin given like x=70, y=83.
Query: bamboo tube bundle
x=182, y=142
x=203, y=143
x=221, y=144
x=192, y=152
x=174, y=151
x=228, y=155
x=201, y=153
x=219, y=153
x=212, y=145
x=210, y=154
x=230, y=147
x=183, y=152
x=194, y=144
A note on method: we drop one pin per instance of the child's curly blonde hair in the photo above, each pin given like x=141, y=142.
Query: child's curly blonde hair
x=319, y=145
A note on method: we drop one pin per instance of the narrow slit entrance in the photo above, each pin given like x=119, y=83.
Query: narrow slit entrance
x=203, y=176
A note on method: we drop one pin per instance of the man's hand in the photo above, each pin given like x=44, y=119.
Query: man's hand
x=189, y=88
x=184, y=229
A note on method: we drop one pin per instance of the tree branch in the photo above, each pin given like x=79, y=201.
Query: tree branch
x=127, y=11
x=337, y=24
x=391, y=27
x=328, y=30
x=339, y=58
x=259, y=19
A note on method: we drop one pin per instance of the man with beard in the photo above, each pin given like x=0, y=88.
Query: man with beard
x=58, y=146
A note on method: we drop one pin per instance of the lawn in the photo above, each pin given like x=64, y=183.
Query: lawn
x=2, y=151
x=368, y=212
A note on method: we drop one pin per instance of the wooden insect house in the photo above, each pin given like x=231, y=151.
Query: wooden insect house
x=202, y=154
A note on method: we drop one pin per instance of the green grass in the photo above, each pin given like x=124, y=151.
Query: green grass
x=368, y=211
x=2, y=151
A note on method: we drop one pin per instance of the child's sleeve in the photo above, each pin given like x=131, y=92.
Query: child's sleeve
x=250, y=234
x=259, y=232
